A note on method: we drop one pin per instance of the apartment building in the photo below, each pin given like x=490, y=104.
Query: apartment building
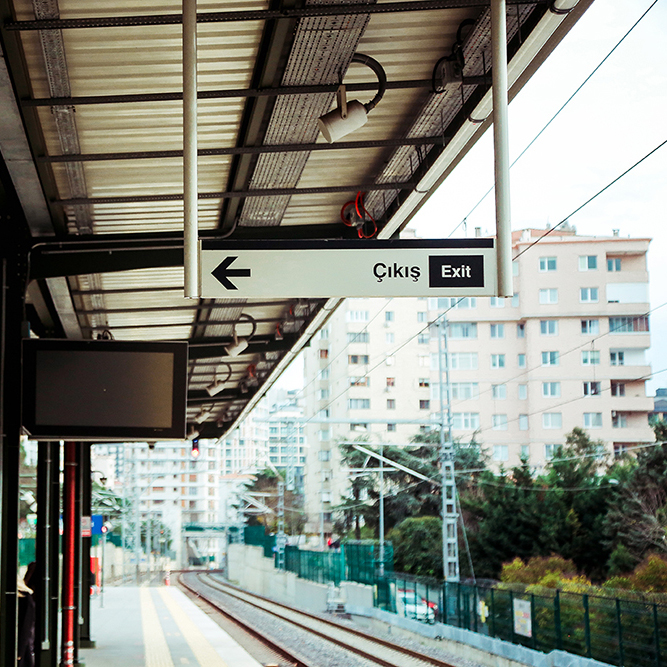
x=569, y=349
x=367, y=376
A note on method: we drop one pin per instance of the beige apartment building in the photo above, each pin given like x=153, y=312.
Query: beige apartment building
x=569, y=349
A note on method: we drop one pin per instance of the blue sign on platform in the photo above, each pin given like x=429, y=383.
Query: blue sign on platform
x=96, y=522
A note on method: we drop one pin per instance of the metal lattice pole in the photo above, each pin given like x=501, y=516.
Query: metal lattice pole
x=280, y=536
x=450, y=545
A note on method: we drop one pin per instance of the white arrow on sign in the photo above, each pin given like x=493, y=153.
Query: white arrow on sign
x=322, y=269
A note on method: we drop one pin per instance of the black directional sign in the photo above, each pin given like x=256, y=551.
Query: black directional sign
x=364, y=268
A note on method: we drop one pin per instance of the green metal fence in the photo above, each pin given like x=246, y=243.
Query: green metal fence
x=630, y=632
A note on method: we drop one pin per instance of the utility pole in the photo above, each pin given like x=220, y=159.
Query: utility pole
x=280, y=533
x=450, y=546
x=381, y=527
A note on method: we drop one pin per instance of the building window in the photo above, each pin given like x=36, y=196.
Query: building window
x=525, y=452
x=462, y=361
x=423, y=338
x=523, y=392
x=547, y=264
x=361, y=337
x=324, y=354
x=496, y=302
x=551, y=389
x=390, y=360
x=590, y=357
x=549, y=295
x=592, y=420
x=617, y=388
x=521, y=360
x=324, y=455
x=552, y=420
x=323, y=394
x=358, y=427
x=423, y=361
x=590, y=327
x=550, y=451
x=588, y=295
x=421, y=316
x=326, y=496
x=324, y=374
x=497, y=361
x=357, y=359
x=324, y=333
x=391, y=404
x=357, y=316
x=515, y=300
x=619, y=420
x=424, y=404
x=464, y=391
x=617, y=358
x=549, y=358
x=523, y=422
x=628, y=324
x=500, y=452
x=497, y=331
x=391, y=427
x=391, y=382
x=592, y=388
x=444, y=302
x=499, y=392
x=465, y=421
x=389, y=316
x=359, y=381
x=323, y=414
x=499, y=422
x=323, y=435
x=521, y=330
x=462, y=330
x=389, y=337
x=549, y=327
x=588, y=262
x=359, y=403
x=613, y=264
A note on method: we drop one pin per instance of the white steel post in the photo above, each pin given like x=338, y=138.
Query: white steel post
x=190, y=195
x=381, y=527
x=501, y=146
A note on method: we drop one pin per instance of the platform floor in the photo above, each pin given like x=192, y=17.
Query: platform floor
x=158, y=627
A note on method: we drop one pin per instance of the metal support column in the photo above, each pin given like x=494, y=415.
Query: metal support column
x=47, y=547
x=450, y=545
x=69, y=618
x=86, y=510
x=13, y=242
x=281, y=539
x=381, y=526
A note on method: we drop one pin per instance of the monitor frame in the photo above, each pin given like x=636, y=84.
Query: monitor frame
x=177, y=429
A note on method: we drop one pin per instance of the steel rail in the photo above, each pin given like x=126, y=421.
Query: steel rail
x=264, y=192
x=271, y=644
x=232, y=93
x=249, y=150
x=358, y=633
x=256, y=15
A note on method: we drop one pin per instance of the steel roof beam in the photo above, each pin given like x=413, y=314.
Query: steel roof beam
x=263, y=192
x=193, y=308
x=234, y=93
x=214, y=348
x=256, y=15
x=249, y=150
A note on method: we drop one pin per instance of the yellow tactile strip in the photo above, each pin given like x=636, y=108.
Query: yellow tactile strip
x=155, y=645
x=205, y=654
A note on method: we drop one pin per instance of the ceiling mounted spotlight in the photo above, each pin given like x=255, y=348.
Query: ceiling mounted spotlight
x=203, y=415
x=241, y=343
x=350, y=116
x=218, y=385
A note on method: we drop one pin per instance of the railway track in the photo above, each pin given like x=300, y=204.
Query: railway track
x=370, y=649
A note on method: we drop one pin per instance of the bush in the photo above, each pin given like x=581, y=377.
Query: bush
x=621, y=561
x=651, y=575
x=537, y=569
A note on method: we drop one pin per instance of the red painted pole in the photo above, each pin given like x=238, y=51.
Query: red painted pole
x=69, y=554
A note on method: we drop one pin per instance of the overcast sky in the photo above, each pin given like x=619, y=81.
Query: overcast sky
x=615, y=120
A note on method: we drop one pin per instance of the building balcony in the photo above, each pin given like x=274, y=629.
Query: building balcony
x=629, y=403
x=629, y=372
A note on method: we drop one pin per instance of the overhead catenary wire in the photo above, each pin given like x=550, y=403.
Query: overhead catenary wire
x=563, y=106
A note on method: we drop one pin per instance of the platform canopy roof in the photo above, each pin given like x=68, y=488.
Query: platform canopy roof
x=91, y=136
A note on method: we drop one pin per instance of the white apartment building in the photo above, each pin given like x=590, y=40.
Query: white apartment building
x=569, y=349
x=362, y=380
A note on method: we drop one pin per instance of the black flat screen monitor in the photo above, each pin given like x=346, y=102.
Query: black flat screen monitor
x=104, y=390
